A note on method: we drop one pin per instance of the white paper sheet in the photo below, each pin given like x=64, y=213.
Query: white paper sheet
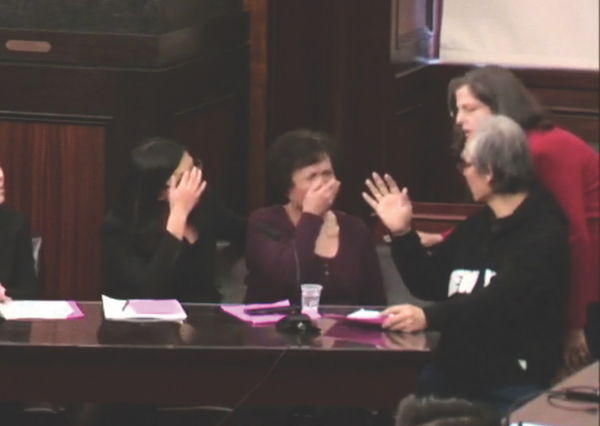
x=36, y=309
x=365, y=314
x=142, y=310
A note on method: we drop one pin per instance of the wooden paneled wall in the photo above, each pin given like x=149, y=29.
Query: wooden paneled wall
x=69, y=119
x=55, y=174
x=333, y=65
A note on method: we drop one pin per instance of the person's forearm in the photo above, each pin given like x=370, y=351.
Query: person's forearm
x=176, y=223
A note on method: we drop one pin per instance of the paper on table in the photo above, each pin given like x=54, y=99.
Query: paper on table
x=365, y=314
x=362, y=316
x=40, y=309
x=238, y=312
x=142, y=309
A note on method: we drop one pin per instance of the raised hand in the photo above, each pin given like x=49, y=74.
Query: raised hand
x=184, y=195
x=320, y=197
x=389, y=203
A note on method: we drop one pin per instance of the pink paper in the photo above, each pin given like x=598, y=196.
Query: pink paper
x=238, y=312
x=76, y=311
x=155, y=307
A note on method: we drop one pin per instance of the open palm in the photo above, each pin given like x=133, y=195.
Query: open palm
x=389, y=203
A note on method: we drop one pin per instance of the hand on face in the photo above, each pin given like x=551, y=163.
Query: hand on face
x=406, y=318
x=389, y=203
x=184, y=195
x=320, y=196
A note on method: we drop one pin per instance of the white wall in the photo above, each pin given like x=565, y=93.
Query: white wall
x=538, y=33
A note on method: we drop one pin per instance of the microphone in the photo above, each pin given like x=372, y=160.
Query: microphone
x=294, y=323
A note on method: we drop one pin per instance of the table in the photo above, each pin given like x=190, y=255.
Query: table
x=211, y=359
x=541, y=412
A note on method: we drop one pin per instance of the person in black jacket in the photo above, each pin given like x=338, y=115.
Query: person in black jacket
x=17, y=270
x=160, y=240
x=498, y=281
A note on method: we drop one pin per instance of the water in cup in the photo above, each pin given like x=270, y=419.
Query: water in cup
x=311, y=293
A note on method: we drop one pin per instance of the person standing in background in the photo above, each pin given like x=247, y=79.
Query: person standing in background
x=562, y=162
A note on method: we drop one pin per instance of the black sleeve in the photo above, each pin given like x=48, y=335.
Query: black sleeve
x=425, y=274
x=536, y=272
x=23, y=283
x=135, y=276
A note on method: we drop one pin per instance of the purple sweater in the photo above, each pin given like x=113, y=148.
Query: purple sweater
x=276, y=252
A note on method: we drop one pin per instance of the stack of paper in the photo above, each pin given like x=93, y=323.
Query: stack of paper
x=39, y=309
x=142, y=310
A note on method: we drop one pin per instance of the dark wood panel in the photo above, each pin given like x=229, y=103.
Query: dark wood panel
x=188, y=80
x=439, y=217
x=258, y=11
x=130, y=50
x=209, y=133
x=55, y=175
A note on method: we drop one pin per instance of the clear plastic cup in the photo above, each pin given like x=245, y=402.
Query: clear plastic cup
x=311, y=294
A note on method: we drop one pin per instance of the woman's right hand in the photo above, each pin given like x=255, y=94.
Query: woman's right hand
x=184, y=195
x=320, y=197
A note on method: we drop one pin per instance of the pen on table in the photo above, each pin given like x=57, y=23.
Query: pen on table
x=125, y=305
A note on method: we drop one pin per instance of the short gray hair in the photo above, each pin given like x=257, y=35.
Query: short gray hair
x=500, y=146
x=443, y=412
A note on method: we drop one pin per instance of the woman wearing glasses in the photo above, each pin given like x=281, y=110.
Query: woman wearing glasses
x=562, y=162
x=498, y=282
x=159, y=241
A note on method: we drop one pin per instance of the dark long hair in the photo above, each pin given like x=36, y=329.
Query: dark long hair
x=501, y=91
x=151, y=166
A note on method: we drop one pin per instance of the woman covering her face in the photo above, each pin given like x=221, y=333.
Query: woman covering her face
x=305, y=240
x=160, y=239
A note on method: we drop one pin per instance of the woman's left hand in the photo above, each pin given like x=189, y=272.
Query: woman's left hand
x=389, y=203
x=407, y=318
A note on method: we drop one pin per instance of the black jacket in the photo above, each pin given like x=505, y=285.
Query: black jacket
x=17, y=271
x=156, y=265
x=509, y=330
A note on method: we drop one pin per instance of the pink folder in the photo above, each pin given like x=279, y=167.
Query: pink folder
x=155, y=307
x=238, y=312
x=76, y=311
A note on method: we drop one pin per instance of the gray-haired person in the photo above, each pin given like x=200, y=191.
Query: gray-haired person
x=498, y=282
x=443, y=412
